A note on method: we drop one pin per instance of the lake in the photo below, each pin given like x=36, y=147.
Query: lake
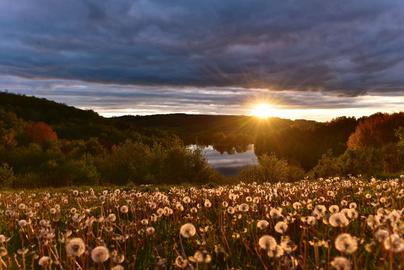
x=228, y=164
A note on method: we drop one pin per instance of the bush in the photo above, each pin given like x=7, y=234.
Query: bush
x=6, y=175
x=160, y=163
x=271, y=169
x=328, y=165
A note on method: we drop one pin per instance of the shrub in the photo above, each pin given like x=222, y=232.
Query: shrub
x=6, y=175
x=159, y=163
x=327, y=165
x=271, y=169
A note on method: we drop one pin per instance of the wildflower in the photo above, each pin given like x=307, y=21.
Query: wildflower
x=381, y=234
x=281, y=227
x=179, y=206
x=319, y=211
x=311, y=220
x=44, y=261
x=287, y=244
x=351, y=213
x=353, y=205
x=243, y=207
x=111, y=217
x=345, y=243
x=187, y=230
x=150, y=231
x=117, y=258
x=75, y=247
x=186, y=199
x=144, y=222
x=22, y=223
x=297, y=205
x=3, y=252
x=276, y=252
x=333, y=209
x=99, y=254
x=372, y=221
x=341, y=263
x=235, y=235
x=180, y=262
x=2, y=238
x=200, y=257
x=207, y=203
x=344, y=203
x=394, y=243
x=262, y=224
x=338, y=220
x=124, y=209
x=267, y=242
x=230, y=210
x=168, y=211
x=160, y=212
x=275, y=213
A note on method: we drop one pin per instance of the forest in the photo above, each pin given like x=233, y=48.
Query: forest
x=44, y=143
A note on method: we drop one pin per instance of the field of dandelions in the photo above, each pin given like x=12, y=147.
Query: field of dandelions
x=325, y=224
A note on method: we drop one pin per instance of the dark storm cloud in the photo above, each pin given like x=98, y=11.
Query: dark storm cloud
x=348, y=47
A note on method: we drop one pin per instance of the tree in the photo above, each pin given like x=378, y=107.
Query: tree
x=41, y=133
x=376, y=131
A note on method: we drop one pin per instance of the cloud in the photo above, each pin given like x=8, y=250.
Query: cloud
x=346, y=47
x=118, y=99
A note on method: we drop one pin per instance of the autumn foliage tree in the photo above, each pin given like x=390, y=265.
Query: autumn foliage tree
x=376, y=131
x=40, y=133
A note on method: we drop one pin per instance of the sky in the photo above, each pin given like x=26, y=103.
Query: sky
x=310, y=59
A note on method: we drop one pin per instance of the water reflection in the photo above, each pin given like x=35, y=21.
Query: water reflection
x=231, y=161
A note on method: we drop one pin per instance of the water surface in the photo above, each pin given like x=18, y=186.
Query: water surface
x=228, y=164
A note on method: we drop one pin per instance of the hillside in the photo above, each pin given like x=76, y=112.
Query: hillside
x=300, y=141
x=73, y=123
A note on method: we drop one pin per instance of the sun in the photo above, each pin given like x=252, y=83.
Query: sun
x=262, y=110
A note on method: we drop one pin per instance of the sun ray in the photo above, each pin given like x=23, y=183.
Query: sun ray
x=262, y=110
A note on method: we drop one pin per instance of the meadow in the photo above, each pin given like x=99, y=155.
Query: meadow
x=329, y=223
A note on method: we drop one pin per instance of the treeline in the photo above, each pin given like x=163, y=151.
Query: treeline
x=33, y=155
x=46, y=143
x=374, y=148
x=302, y=143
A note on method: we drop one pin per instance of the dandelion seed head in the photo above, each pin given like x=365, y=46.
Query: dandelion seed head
x=45, y=261
x=100, y=254
x=338, y=220
x=345, y=243
x=281, y=227
x=262, y=224
x=267, y=242
x=75, y=247
x=341, y=263
x=180, y=262
x=187, y=230
x=394, y=243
